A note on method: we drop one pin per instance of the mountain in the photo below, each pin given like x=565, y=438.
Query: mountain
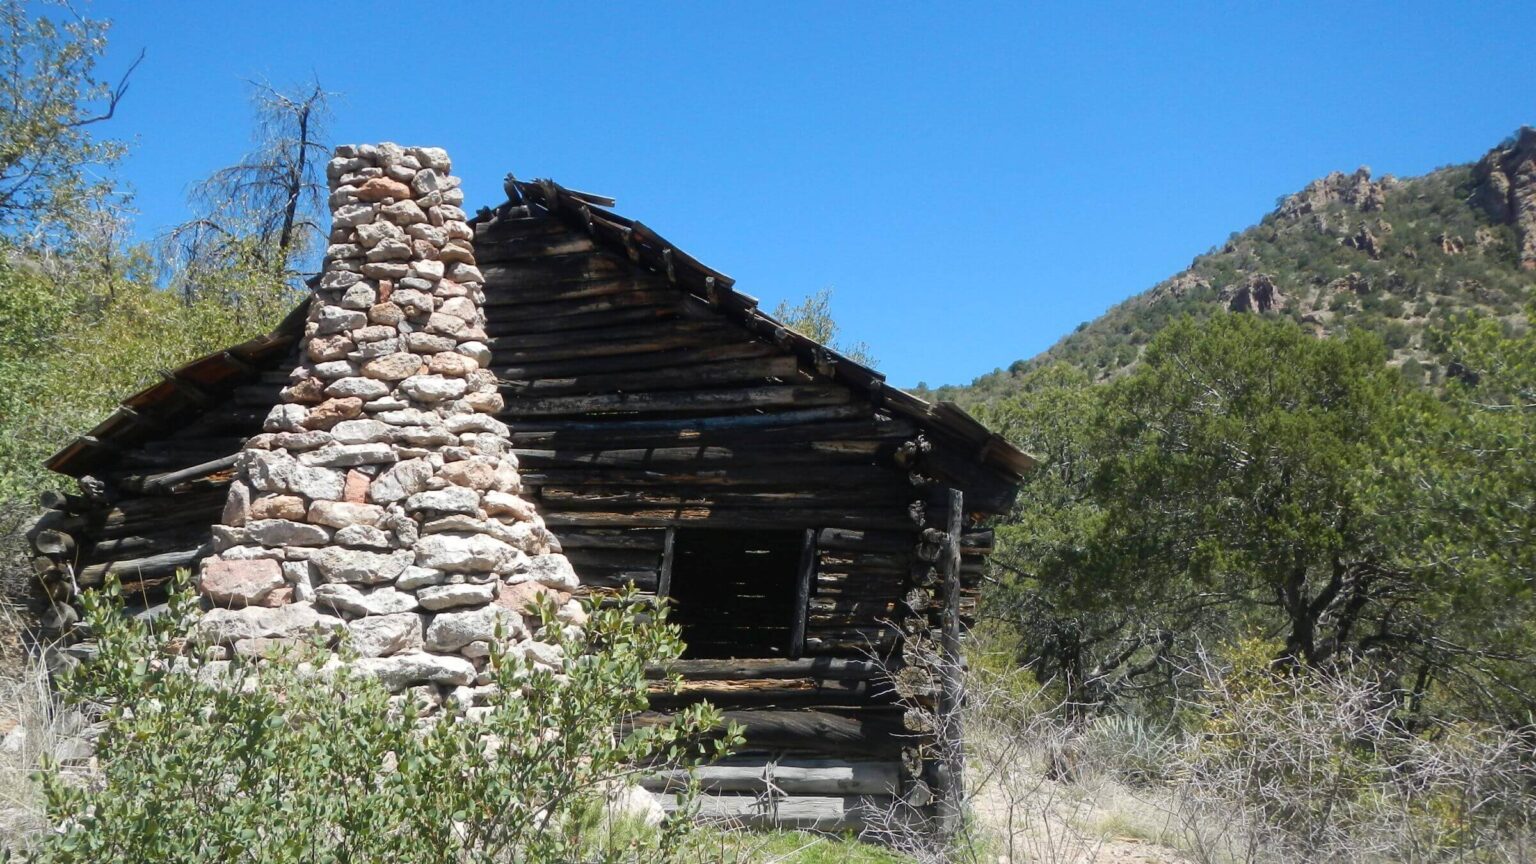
x=1394, y=256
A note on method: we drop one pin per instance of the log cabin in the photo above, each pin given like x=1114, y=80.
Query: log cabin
x=819, y=534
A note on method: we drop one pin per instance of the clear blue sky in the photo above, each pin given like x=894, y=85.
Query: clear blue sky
x=972, y=180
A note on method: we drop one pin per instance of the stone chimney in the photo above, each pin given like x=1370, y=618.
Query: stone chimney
x=380, y=505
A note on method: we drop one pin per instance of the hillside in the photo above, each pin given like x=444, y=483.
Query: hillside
x=1394, y=256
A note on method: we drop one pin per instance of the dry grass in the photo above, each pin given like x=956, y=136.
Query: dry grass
x=32, y=726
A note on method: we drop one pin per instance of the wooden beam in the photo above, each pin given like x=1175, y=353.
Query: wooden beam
x=804, y=574
x=823, y=668
x=952, y=793
x=668, y=556
x=803, y=776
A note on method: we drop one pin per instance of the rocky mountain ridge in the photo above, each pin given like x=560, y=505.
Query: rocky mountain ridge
x=1349, y=250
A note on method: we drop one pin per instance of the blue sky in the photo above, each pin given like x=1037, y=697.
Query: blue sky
x=972, y=180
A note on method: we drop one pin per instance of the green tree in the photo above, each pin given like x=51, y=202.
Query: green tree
x=812, y=316
x=50, y=100
x=1247, y=478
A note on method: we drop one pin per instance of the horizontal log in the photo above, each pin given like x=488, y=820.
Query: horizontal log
x=680, y=402
x=161, y=482
x=715, y=457
x=133, y=569
x=866, y=541
x=767, y=693
x=667, y=495
x=791, y=776
x=869, y=731
x=488, y=251
x=795, y=430
x=635, y=297
x=503, y=279
x=705, y=517
x=517, y=326
x=750, y=370
x=635, y=361
x=551, y=342
x=795, y=812
x=641, y=539
x=751, y=669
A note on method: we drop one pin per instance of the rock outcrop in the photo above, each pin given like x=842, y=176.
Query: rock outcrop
x=1505, y=188
x=1257, y=294
x=1356, y=190
x=381, y=503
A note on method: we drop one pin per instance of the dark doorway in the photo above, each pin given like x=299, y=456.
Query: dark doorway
x=733, y=592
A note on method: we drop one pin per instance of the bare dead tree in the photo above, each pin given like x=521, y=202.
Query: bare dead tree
x=263, y=213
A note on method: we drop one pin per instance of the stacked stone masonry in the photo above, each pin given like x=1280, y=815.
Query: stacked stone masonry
x=380, y=506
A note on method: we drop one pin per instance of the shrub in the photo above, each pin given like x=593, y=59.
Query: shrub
x=296, y=758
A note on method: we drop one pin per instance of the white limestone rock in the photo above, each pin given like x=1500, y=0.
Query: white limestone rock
x=554, y=571
x=295, y=620
x=383, y=635
x=451, y=596
x=404, y=479
x=283, y=532
x=450, y=631
x=463, y=553
x=351, y=601
x=400, y=671
x=453, y=499
x=335, y=564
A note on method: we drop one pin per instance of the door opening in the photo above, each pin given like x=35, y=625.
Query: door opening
x=733, y=592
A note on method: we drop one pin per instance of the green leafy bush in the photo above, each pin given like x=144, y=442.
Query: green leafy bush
x=295, y=758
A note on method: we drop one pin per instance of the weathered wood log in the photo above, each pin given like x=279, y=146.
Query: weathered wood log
x=805, y=575
x=620, y=539
x=792, y=776
x=952, y=793
x=793, y=693
x=680, y=401
x=162, y=564
x=795, y=812
x=718, y=518
x=865, y=732
x=634, y=361
x=161, y=482
x=549, y=344
x=749, y=371
x=752, y=669
x=668, y=495
x=865, y=541
x=54, y=543
x=790, y=430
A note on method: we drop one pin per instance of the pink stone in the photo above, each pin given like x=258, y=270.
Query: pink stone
x=520, y=596
x=241, y=583
x=280, y=597
x=380, y=188
x=289, y=507
x=355, y=490
x=333, y=411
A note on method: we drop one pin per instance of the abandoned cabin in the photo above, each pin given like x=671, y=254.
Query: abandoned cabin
x=470, y=411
